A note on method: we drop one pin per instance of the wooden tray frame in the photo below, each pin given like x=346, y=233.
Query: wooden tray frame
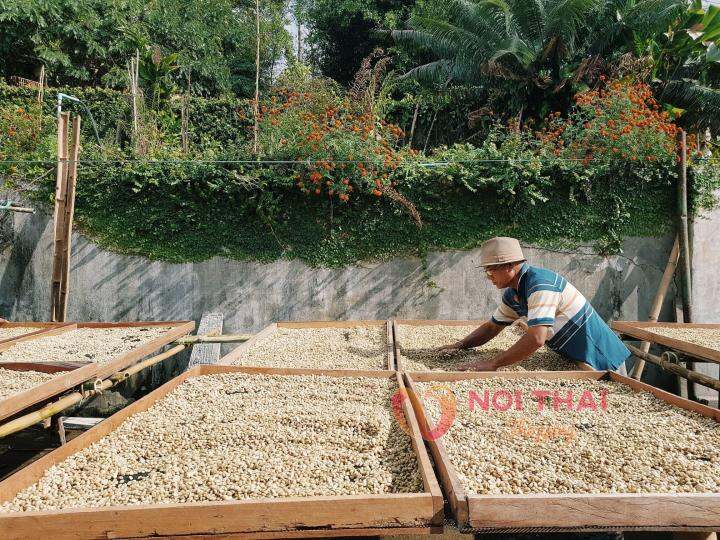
x=272, y=328
x=366, y=515
x=180, y=328
x=79, y=372
x=637, y=330
x=581, y=366
x=568, y=512
x=74, y=374
x=44, y=329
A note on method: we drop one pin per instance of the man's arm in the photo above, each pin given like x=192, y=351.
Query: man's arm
x=480, y=336
x=533, y=339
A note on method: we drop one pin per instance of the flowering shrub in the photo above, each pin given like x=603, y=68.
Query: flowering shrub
x=18, y=131
x=604, y=170
x=339, y=150
x=619, y=121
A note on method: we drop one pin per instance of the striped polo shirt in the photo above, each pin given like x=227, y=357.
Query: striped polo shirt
x=544, y=298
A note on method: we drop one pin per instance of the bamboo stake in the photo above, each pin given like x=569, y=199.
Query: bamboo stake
x=228, y=338
x=132, y=72
x=658, y=302
x=41, y=97
x=685, y=273
x=69, y=215
x=685, y=373
x=51, y=409
x=59, y=216
x=41, y=89
x=256, y=104
x=21, y=209
x=412, y=126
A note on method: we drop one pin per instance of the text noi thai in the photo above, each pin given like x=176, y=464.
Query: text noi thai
x=502, y=400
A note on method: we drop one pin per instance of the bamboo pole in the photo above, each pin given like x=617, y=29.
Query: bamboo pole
x=33, y=418
x=412, y=126
x=41, y=97
x=51, y=409
x=21, y=209
x=658, y=302
x=227, y=338
x=685, y=373
x=69, y=215
x=59, y=215
x=685, y=274
x=256, y=103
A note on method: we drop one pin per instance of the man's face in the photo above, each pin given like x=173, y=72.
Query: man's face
x=501, y=275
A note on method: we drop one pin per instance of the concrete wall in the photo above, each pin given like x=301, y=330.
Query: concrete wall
x=111, y=287
x=107, y=286
x=706, y=285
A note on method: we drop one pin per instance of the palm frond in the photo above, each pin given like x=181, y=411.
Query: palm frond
x=701, y=102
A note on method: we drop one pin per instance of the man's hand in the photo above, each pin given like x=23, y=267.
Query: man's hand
x=453, y=347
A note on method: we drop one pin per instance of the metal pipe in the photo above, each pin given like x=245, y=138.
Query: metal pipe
x=51, y=409
x=685, y=373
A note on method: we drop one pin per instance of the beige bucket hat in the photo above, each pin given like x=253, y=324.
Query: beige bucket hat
x=500, y=250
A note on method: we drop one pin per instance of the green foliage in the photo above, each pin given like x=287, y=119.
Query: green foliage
x=524, y=48
x=189, y=207
x=221, y=121
x=89, y=42
x=681, y=41
x=342, y=32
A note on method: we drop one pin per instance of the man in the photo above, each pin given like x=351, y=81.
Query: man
x=555, y=312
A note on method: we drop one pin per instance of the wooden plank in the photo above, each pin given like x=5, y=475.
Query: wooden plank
x=447, y=376
x=440, y=322
x=131, y=324
x=678, y=401
x=564, y=512
x=207, y=353
x=430, y=483
x=261, y=515
x=665, y=324
x=328, y=515
x=638, y=330
x=59, y=213
x=329, y=324
x=86, y=371
x=180, y=328
x=240, y=350
x=33, y=472
x=72, y=376
x=390, y=345
x=654, y=511
x=43, y=330
x=319, y=533
x=375, y=373
x=582, y=366
x=71, y=179
x=396, y=346
x=454, y=490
